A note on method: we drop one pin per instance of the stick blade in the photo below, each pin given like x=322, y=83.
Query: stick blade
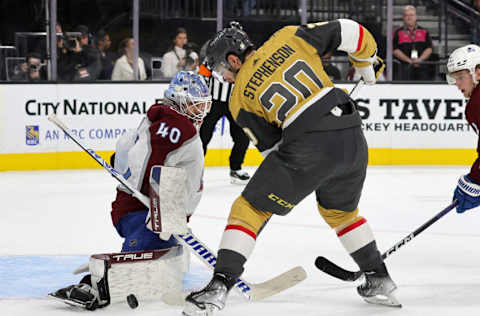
x=278, y=284
x=332, y=269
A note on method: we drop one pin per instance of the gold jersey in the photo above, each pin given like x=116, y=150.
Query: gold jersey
x=285, y=76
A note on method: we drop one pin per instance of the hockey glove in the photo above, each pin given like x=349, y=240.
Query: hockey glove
x=371, y=73
x=378, y=67
x=467, y=193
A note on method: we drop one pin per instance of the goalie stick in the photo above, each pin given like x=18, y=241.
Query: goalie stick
x=251, y=291
x=334, y=270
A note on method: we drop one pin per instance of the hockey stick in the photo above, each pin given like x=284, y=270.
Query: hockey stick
x=356, y=88
x=334, y=270
x=252, y=291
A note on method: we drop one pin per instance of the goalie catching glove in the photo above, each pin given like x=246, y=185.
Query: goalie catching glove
x=467, y=193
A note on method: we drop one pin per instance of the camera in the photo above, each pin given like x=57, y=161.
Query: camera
x=71, y=39
x=70, y=43
x=157, y=63
x=34, y=67
x=156, y=68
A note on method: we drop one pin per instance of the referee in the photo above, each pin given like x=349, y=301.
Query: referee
x=220, y=95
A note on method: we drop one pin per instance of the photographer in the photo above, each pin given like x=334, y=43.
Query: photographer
x=176, y=58
x=32, y=70
x=102, y=42
x=77, y=59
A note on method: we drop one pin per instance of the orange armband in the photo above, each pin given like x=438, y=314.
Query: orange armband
x=204, y=71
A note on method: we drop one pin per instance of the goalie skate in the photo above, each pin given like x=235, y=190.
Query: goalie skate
x=79, y=295
x=378, y=288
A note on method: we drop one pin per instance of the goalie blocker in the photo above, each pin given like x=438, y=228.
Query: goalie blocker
x=149, y=275
x=168, y=199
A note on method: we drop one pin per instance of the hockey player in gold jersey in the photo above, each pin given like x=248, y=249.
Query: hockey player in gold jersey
x=310, y=135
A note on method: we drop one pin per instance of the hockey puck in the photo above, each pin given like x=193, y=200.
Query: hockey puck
x=132, y=301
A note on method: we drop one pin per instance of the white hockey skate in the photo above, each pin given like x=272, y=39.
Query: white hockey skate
x=208, y=301
x=378, y=288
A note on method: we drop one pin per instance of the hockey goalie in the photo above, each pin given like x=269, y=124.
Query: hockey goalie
x=163, y=159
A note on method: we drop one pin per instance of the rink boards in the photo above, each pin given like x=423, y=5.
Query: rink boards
x=404, y=124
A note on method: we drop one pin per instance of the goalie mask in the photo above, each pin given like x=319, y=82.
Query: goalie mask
x=231, y=40
x=463, y=58
x=188, y=95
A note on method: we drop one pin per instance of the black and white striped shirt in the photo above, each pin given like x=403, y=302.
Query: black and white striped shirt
x=220, y=91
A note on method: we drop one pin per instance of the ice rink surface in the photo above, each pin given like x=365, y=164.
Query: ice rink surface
x=51, y=221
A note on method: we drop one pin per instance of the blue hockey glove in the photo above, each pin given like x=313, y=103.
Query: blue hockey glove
x=467, y=193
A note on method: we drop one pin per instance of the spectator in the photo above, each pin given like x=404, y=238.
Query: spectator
x=77, y=59
x=93, y=63
x=59, y=31
x=232, y=7
x=62, y=56
x=102, y=42
x=475, y=29
x=247, y=6
x=412, y=46
x=177, y=57
x=123, y=69
x=2, y=62
x=31, y=70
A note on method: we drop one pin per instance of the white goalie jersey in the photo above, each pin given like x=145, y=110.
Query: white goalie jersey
x=163, y=138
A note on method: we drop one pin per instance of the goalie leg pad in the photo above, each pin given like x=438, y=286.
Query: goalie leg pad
x=146, y=274
x=168, y=198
